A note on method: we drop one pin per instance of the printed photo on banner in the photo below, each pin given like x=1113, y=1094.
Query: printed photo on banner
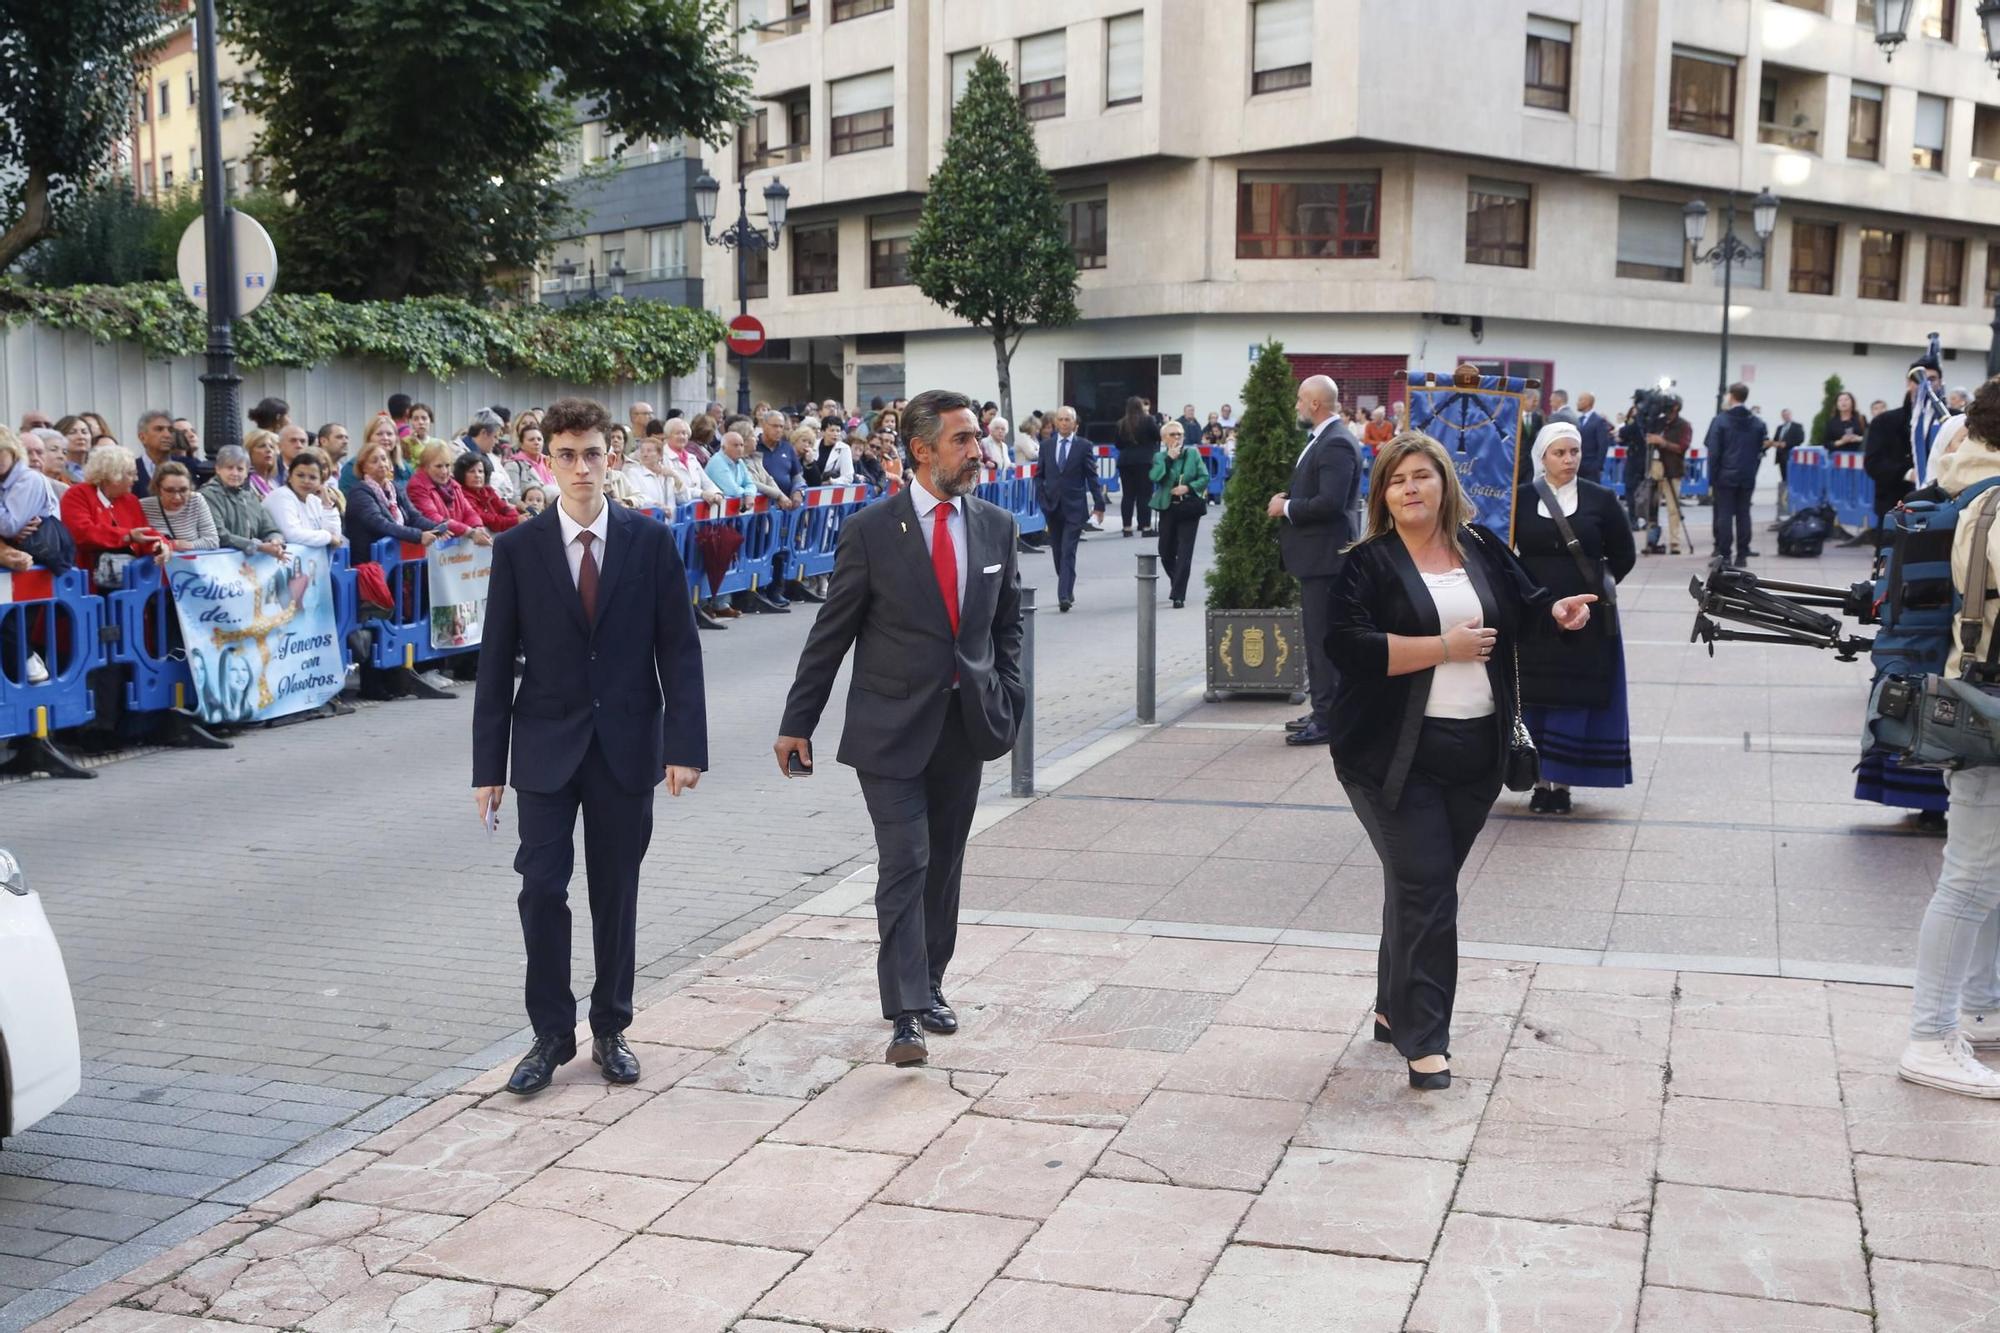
x=259, y=630
x=460, y=571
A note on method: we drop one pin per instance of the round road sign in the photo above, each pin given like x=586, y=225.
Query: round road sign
x=256, y=262
x=746, y=335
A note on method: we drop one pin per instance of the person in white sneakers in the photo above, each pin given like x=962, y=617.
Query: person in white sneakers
x=1956, y=1008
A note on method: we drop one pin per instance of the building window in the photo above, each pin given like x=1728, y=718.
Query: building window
x=756, y=275
x=666, y=252
x=166, y=171
x=145, y=107
x=1814, y=247
x=1992, y=273
x=1652, y=241
x=1939, y=19
x=194, y=164
x=844, y=10
x=816, y=259
x=961, y=74
x=1124, y=59
x=753, y=142
x=166, y=99
x=1881, y=264
x=889, y=249
x=1496, y=223
x=149, y=178
x=1280, y=45
x=798, y=124
x=229, y=177
x=1927, y=149
x=1044, y=77
x=1084, y=221
x=1864, y=122
x=1701, y=94
x=863, y=111
x=191, y=94
x=1944, y=270
x=1309, y=217
x=1547, y=81
x=228, y=104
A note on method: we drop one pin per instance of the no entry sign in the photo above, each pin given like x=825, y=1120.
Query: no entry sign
x=746, y=335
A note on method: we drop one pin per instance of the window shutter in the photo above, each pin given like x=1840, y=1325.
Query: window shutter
x=1043, y=57
x=1282, y=35
x=1650, y=232
x=961, y=74
x=1124, y=57
x=1930, y=122
x=864, y=92
x=1553, y=29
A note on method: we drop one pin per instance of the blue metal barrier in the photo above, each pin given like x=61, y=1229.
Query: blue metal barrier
x=1613, y=475
x=1849, y=488
x=1694, y=481
x=1806, y=477
x=141, y=615
x=1220, y=465
x=403, y=639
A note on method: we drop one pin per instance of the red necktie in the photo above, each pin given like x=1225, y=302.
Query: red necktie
x=944, y=559
x=586, y=577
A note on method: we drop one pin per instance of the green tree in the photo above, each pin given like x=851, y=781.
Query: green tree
x=172, y=219
x=423, y=142
x=990, y=247
x=106, y=237
x=65, y=103
x=1247, y=574
x=1828, y=397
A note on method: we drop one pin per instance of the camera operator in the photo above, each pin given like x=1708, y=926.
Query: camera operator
x=1956, y=1003
x=1632, y=435
x=1668, y=437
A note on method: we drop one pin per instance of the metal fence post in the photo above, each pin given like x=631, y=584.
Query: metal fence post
x=1149, y=633
x=1024, y=740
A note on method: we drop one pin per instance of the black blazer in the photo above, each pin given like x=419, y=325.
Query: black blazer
x=1376, y=716
x=632, y=680
x=883, y=602
x=1065, y=489
x=1568, y=670
x=1326, y=481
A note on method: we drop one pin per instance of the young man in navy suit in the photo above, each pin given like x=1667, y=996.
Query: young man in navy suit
x=610, y=705
x=1064, y=487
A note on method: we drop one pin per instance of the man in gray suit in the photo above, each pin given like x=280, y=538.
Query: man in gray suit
x=926, y=591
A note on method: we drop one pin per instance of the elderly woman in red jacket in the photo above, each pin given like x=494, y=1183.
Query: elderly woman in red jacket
x=438, y=498
x=102, y=514
x=474, y=472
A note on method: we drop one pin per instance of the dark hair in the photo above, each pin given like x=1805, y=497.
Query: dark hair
x=427, y=409
x=1135, y=415
x=655, y=427
x=310, y=456
x=399, y=405
x=1739, y=392
x=501, y=412
x=269, y=412
x=575, y=416
x=672, y=412
x=1982, y=414
x=467, y=461
x=171, y=469
x=923, y=419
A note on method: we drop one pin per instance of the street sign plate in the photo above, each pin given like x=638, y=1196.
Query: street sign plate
x=256, y=262
x=746, y=335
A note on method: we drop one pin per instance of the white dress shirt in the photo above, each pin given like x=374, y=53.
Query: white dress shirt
x=955, y=525
x=307, y=522
x=599, y=527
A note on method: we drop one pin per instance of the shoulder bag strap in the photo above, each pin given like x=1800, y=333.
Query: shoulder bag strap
x=1513, y=640
x=1592, y=578
x=1972, y=616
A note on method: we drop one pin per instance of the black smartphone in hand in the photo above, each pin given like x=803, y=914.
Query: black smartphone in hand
x=798, y=765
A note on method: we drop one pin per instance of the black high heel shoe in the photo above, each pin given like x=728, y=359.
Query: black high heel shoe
x=1434, y=1082
x=1382, y=1032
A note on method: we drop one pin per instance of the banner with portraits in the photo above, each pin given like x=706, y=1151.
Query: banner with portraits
x=260, y=631
x=460, y=572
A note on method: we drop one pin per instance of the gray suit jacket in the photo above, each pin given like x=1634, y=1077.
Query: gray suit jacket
x=883, y=602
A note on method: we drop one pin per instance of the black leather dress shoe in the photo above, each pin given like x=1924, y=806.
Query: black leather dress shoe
x=539, y=1065
x=615, y=1058
x=940, y=1017
x=1064, y=606
x=1300, y=723
x=1312, y=735
x=907, y=1047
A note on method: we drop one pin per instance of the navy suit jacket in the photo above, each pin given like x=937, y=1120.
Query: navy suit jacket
x=1066, y=488
x=632, y=680
x=1597, y=437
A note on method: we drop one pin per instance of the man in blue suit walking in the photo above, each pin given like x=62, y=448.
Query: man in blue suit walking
x=1065, y=487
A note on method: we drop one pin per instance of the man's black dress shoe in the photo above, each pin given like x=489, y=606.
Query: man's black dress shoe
x=1300, y=723
x=1064, y=606
x=539, y=1065
x=940, y=1017
x=907, y=1047
x=615, y=1058
x=1312, y=735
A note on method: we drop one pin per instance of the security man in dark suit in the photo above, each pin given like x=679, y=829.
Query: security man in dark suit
x=1065, y=486
x=926, y=591
x=1315, y=525
x=609, y=706
x=1598, y=437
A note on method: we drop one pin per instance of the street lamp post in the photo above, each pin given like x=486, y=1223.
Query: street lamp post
x=1729, y=251
x=222, y=416
x=743, y=236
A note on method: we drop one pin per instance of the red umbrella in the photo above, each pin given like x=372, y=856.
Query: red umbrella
x=718, y=544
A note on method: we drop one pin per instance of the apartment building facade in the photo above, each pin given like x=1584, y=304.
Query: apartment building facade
x=165, y=146
x=1388, y=185
x=639, y=238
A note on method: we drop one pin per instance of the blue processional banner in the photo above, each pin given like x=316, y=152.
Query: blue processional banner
x=260, y=632
x=460, y=570
x=1480, y=428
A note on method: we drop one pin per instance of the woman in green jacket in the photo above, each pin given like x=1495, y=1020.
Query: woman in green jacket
x=1180, y=495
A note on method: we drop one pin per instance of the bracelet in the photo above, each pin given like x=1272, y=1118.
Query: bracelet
x=1445, y=644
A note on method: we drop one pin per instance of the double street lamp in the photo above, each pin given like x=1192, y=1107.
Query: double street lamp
x=1892, y=26
x=1729, y=251
x=743, y=236
x=616, y=274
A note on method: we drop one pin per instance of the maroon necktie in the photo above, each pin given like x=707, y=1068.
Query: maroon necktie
x=586, y=577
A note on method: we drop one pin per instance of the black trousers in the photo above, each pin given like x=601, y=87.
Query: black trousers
x=1064, y=534
x=920, y=828
x=1316, y=610
x=1732, y=511
x=1135, y=494
x=617, y=829
x=1423, y=843
x=1177, y=531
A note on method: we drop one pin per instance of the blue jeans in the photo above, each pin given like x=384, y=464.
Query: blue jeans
x=1958, y=946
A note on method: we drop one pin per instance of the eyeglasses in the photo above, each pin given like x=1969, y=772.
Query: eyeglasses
x=570, y=458
x=173, y=490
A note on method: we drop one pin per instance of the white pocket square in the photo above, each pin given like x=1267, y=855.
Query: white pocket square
x=991, y=569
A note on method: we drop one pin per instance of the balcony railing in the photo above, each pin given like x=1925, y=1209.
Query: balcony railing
x=1801, y=137
x=580, y=283
x=789, y=26
x=774, y=157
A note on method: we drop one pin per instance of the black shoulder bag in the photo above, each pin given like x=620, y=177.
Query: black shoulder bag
x=1596, y=575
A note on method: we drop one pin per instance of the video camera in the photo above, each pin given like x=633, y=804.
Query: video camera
x=1652, y=406
x=1780, y=612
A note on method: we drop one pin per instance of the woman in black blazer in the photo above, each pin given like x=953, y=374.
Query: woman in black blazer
x=1138, y=442
x=1426, y=614
x=1573, y=685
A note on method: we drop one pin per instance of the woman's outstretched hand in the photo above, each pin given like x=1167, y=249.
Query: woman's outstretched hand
x=1574, y=612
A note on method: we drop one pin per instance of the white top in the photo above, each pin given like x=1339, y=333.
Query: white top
x=926, y=502
x=573, y=549
x=307, y=522
x=839, y=465
x=1458, y=689
x=657, y=489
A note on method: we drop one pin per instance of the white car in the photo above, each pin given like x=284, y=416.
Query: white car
x=41, y=1066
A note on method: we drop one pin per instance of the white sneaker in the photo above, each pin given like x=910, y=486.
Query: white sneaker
x=38, y=671
x=1982, y=1031
x=1948, y=1064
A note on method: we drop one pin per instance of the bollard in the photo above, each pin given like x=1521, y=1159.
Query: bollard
x=1149, y=633
x=1024, y=739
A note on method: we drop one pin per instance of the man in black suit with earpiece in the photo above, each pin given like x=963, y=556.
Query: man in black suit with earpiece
x=1318, y=519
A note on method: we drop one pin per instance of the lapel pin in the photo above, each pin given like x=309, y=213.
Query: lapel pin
x=904, y=526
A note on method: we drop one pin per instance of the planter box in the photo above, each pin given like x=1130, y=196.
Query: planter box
x=1256, y=652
